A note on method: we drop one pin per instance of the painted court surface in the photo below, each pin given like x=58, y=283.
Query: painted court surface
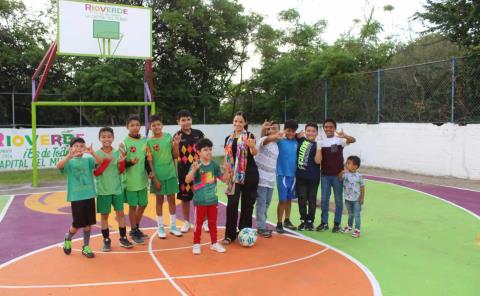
x=412, y=242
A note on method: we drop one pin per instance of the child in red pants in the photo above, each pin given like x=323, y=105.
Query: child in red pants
x=204, y=174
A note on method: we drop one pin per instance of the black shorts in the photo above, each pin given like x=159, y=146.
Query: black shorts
x=185, y=189
x=83, y=213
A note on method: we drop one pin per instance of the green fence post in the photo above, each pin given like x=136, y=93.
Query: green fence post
x=452, y=103
x=379, y=71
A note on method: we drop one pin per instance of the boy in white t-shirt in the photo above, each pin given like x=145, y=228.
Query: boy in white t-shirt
x=266, y=160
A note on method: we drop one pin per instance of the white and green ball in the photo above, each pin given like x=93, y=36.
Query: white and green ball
x=247, y=237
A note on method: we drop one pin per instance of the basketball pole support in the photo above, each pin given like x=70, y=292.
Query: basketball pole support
x=46, y=64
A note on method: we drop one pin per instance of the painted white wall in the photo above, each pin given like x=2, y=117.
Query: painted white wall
x=447, y=150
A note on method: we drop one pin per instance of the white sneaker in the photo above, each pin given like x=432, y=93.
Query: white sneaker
x=174, y=231
x=186, y=227
x=218, y=247
x=196, y=249
x=161, y=232
x=205, y=226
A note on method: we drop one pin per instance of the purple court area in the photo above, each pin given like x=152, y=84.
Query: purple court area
x=467, y=199
x=23, y=230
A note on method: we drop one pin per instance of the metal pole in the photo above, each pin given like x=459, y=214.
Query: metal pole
x=204, y=114
x=325, y=98
x=378, y=94
x=34, y=145
x=13, y=107
x=285, y=110
x=452, y=115
x=81, y=114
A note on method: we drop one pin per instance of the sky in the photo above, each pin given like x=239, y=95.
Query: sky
x=339, y=15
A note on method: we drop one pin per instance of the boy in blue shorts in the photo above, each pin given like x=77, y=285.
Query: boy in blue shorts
x=286, y=170
x=80, y=192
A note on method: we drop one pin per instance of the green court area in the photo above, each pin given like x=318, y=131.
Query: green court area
x=413, y=244
x=3, y=201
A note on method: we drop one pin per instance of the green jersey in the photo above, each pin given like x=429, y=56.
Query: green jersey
x=109, y=181
x=80, y=184
x=136, y=178
x=205, y=184
x=160, y=152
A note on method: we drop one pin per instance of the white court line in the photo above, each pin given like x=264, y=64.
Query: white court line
x=431, y=195
x=162, y=269
x=418, y=182
x=139, y=252
x=5, y=208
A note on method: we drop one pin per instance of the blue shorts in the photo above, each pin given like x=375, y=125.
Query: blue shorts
x=286, y=188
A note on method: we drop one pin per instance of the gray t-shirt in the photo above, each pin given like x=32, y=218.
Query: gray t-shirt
x=351, y=185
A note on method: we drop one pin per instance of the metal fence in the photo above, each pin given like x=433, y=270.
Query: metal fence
x=436, y=92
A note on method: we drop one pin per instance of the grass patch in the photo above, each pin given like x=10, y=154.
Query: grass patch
x=26, y=177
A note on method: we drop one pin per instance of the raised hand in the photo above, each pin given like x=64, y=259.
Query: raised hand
x=195, y=166
x=176, y=139
x=301, y=134
x=340, y=133
x=89, y=149
x=266, y=124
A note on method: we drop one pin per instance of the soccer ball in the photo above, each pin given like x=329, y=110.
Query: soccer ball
x=247, y=237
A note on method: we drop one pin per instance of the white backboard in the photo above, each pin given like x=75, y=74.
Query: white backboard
x=121, y=31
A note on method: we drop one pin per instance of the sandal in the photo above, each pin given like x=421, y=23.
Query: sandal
x=226, y=241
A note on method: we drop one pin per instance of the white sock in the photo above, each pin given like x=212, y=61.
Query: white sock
x=160, y=221
x=173, y=220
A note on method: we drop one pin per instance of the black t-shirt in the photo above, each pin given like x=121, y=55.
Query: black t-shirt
x=306, y=166
x=187, y=153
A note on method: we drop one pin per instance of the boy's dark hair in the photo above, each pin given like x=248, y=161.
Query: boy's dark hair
x=331, y=121
x=275, y=123
x=355, y=159
x=291, y=123
x=155, y=118
x=76, y=140
x=312, y=124
x=133, y=117
x=105, y=129
x=202, y=143
x=183, y=113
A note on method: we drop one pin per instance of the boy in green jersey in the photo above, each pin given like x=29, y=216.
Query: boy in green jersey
x=109, y=188
x=162, y=149
x=204, y=174
x=80, y=192
x=134, y=150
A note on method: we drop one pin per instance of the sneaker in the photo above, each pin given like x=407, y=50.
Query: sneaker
x=185, y=227
x=301, y=226
x=217, y=247
x=107, y=245
x=280, y=229
x=346, y=229
x=322, y=227
x=196, y=249
x=174, y=231
x=356, y=233
x=336, y=228
x=309, y=226
x=87, y=252
x=125, y=243
x=264, y=233
x=142, y=234
x=205, y=226
x=138, y=240
x=67, y=247
x=161, y=232
x=289, y=225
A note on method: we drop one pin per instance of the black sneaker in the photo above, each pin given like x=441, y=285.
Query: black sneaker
x=289, y=225
x=336, y=228
x=302, y=226
x=309, y=226
x=137, y=239
x=107, y=245
x=141, y=234
x=67, y=246
x=322, y=227
x=124, y=242
x=264, y=233
x=280, y=229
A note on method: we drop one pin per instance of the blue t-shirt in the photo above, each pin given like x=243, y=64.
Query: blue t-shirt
x=287, y=157
x=306, y=166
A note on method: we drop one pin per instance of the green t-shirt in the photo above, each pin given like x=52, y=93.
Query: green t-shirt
x=205, y=184
x=136, y=178
x=110, y=182
x=80, y=184
x=160, y=150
